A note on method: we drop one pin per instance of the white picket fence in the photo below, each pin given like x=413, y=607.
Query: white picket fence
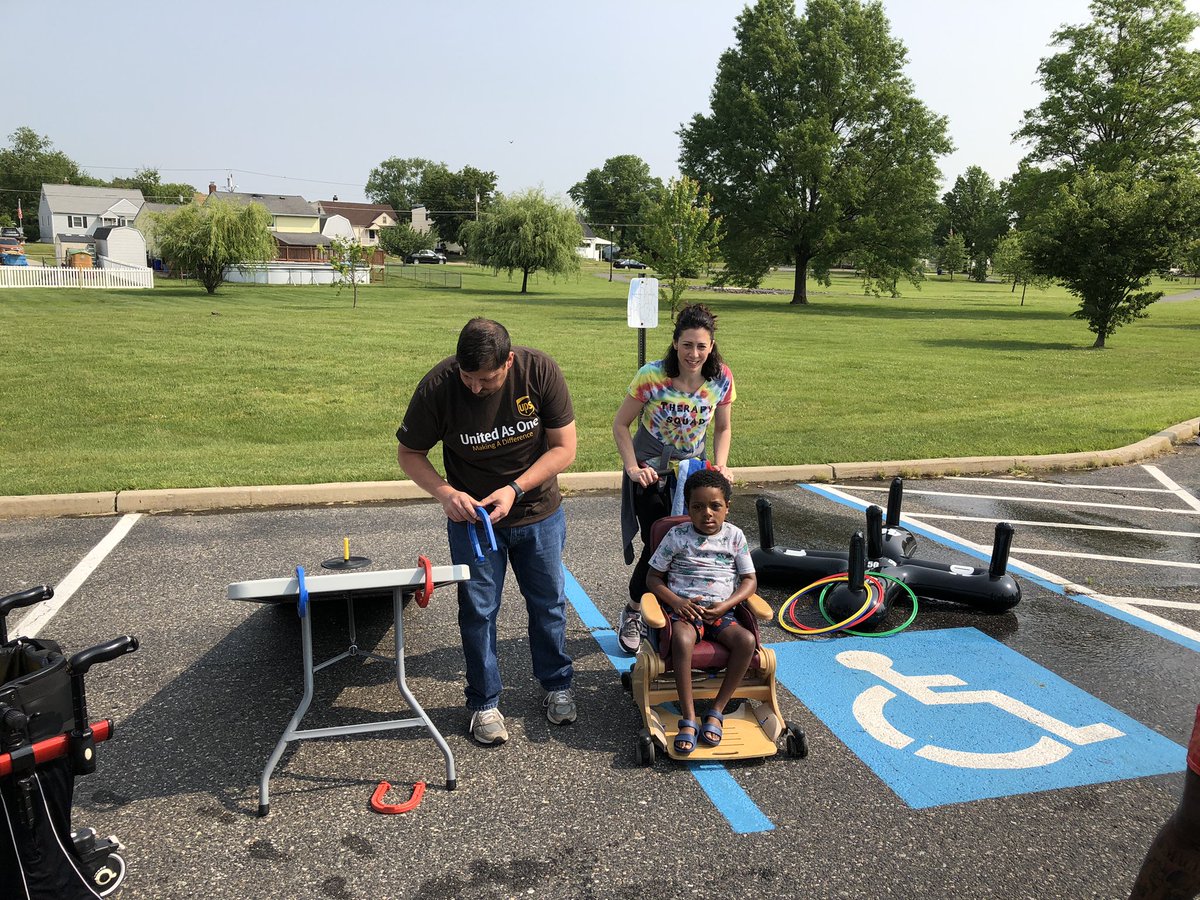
x=115, y=276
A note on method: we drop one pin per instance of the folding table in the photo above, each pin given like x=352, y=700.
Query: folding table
x=303, y=590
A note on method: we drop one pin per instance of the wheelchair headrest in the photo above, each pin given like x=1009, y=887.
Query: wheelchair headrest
x=659, y=529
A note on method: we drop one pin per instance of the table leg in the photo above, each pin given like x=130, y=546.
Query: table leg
x=264, y=799
x=398, y=614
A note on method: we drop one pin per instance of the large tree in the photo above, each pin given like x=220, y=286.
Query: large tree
x=816, y=146
x=395, y=181
x=28, y=162
x=452, y=198
x=1113, y=151
x=204, y=240
x=614, y=197
x=681, y=236
x=526, y=233
x=975, y=210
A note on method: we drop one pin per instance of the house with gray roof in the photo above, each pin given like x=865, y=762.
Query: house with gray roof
x=72, y=209
x=295, y=223
x=367, y=219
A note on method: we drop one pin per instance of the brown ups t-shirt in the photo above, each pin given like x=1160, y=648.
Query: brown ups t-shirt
x=488, y=442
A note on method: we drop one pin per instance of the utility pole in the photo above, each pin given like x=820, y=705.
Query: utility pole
x=610, y=251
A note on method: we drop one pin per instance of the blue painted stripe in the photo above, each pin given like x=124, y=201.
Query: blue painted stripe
x=730, y=799
x=1084, y=599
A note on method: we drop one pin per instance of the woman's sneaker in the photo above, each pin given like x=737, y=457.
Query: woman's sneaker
x=560, y=706
x=629, y=635
x=487, y=726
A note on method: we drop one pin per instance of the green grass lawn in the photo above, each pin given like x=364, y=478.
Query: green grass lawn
x=108, y=390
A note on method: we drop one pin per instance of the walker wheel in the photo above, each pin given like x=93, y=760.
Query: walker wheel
x=627, y=681
x=109, y=876
x=645, y=748
x=796, y=744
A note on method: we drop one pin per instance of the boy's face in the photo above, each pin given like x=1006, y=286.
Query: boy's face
x=707, y=508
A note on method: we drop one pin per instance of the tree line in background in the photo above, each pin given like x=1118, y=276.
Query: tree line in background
x=817, y=153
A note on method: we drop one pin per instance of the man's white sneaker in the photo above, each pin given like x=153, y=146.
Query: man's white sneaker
x=487, y=726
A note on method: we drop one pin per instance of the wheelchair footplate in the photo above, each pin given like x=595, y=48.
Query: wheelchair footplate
x=743, y=738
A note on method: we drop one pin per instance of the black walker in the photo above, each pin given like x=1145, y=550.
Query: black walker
x=46, y=741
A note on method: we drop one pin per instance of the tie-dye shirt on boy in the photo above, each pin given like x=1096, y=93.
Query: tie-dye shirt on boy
x=672, y=417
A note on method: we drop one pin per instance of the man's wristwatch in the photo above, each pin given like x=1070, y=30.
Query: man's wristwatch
x=516, y=490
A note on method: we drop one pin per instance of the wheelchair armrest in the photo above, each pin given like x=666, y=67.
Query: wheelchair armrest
x=652, y=612
x=760, y=607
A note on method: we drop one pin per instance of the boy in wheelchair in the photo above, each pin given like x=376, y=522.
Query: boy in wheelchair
x=700, y=572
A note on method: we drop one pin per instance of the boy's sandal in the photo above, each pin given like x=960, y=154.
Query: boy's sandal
x=709, y=733
x=686, y=743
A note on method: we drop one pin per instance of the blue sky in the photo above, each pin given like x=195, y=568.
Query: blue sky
x=305, y=98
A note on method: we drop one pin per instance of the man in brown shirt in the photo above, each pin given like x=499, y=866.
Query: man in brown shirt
x=504, y=418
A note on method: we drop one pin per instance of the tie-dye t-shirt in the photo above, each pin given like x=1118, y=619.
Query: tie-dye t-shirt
x=703, y=565
x=672, y=417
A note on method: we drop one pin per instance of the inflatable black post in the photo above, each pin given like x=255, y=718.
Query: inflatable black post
x=792, y=569
x=895, y=497
x=1000, y=550
x=874, y=532
x=844, y=599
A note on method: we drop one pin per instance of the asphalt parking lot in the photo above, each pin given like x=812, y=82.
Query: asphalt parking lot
x=1099, y=660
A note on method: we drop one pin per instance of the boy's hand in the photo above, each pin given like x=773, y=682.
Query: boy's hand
x=688, y=608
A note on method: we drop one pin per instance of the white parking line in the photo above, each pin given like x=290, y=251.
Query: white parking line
x=1171, y=486
x=1053, y=484
x=1068, y=525
x=908, y=492
x=40, y=615
x=1147, y=601
x=1031, y=551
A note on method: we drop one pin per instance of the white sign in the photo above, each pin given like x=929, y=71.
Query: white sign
x=643, y=303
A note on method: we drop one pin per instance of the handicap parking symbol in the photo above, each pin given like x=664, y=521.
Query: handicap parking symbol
x=952, y=716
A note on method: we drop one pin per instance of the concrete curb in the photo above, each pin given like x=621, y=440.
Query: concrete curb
x=107, y=503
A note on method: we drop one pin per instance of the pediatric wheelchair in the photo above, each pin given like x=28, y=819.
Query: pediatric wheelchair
x=751, y=731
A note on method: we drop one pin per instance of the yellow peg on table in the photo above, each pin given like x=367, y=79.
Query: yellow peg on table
x=346, y=549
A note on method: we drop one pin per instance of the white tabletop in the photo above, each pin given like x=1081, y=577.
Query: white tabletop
x=279, y=590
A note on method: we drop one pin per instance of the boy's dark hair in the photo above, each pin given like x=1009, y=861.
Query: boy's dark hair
x=483, y=346
x=696, y=315
x=707, y=478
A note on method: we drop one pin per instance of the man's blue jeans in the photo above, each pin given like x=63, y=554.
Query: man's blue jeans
x=535, y=552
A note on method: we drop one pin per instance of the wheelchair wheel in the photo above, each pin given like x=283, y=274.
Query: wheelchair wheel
x=108, y=877
x=627, y=681
x=795, y=743
x=645, y=748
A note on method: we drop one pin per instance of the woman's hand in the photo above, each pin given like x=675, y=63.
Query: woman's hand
x=641, y=475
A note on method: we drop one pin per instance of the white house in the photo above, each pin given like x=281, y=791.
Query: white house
x=76, y=210
x=591, y=247
x=120, y=244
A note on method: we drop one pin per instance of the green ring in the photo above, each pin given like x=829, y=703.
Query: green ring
x=888, y=633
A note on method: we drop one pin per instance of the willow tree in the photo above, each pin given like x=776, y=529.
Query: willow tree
x=526, y=233
x=204, y=241
x=816, y=146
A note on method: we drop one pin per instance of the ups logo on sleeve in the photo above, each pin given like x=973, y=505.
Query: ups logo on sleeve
x=525, y=406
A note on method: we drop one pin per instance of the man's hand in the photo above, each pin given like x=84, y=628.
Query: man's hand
x=500, y=502
x=460, y=507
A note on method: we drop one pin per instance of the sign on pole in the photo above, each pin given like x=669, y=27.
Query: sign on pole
x=643, y=303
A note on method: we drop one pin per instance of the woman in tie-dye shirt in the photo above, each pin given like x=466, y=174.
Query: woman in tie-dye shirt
x=674, y=401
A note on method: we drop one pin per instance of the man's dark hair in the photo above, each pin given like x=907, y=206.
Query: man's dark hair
x=483, y=346
x=707, y=478
x=697, y=315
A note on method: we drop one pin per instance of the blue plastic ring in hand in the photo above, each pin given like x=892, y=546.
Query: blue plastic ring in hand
x=302, y=603
x=487, y=526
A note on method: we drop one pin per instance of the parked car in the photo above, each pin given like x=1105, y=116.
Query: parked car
x=12, y=246
x=628, y=264
x=9, y=231
x=425, y=256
